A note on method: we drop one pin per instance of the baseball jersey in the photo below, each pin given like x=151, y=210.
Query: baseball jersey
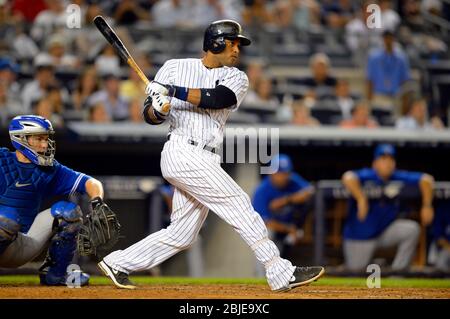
x=23, y=186
x=441, y=222
x=382, y=211
x=185, y=119
x=266, y=192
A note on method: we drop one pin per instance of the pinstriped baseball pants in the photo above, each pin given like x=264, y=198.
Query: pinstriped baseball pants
x=201, y=184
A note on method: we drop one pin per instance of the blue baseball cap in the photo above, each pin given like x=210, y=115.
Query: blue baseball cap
x=6, y=63
x=281, y=163
x=384, y=149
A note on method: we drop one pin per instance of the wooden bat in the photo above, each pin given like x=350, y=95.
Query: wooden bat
x=118, y=45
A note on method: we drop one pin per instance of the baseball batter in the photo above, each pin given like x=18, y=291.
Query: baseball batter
x=196, y=96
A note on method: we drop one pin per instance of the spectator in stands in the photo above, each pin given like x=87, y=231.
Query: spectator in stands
x=263, y=95
x=387, y=70
x=135, y=111
x=372, y=222
x=412, y=15
x=302, y=115
x=281, y=200
x=50, y=20
x=23, y=45
x=390, y=20
x=301, y=14
x=256, y=13
x=44, y=107
x=88, y=41
x=128, y=12
x=56, y=52
x=173, y=13
x=98, y=113
x=360, y=117
x=44, y=78
x=28, y=10
x=359, y=37
x=10, y=103
x=255, y=72
x=321, y=83
x=107, y=61
x=206, y=11
x=115, y=104
x=441, y=237
x=8, y=109
x=344, y=98
x=133, y=87
x=86, y=85
x=54, y=96
x=337, y=13
x=417, y=118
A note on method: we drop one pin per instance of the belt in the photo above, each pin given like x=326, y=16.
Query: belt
x=194, y=143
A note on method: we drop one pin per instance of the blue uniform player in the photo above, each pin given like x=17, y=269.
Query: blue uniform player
x=28, y=176
x=280, y=199
x=373, y=223
x=441, y=237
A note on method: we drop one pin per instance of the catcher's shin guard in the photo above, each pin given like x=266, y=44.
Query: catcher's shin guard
x=68, y=220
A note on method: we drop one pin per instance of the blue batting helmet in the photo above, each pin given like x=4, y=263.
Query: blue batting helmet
x=218, y=31
x=25, y=125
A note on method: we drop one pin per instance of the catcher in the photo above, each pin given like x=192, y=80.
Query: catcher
x=30, y=175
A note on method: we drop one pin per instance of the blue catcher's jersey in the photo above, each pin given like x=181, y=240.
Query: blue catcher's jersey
x=23, y=186
x=266, y=192
x=382, y=211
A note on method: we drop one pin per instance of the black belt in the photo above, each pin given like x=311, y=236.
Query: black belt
x=206, y=147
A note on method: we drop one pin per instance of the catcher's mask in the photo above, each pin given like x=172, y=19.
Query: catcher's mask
x=218, y=31
x=21, y=127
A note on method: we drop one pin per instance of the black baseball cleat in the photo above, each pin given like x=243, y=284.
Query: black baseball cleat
x=303, y=276
x=119, y=278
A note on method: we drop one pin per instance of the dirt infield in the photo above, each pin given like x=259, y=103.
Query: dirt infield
x=222, y=291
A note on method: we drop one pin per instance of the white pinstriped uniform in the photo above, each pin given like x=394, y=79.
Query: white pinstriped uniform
x=200, y=182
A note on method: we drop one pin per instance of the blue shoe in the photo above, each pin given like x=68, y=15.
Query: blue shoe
x=74, y=279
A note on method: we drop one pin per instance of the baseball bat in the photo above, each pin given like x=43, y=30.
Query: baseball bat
x=118, y=45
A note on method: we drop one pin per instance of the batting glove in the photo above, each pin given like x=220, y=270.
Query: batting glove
x=161, y=103
x=158, y=88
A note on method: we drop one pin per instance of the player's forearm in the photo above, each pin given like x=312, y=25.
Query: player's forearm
x=220, y=97
x=94, y=188
x=353, y=185
x=426, y=188
x=301, y=196
x=279, y=227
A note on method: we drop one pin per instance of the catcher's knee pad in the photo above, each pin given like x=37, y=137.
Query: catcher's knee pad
x=9, y=226
x=68, y=221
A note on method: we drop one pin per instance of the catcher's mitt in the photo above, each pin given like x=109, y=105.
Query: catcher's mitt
x=100, y=231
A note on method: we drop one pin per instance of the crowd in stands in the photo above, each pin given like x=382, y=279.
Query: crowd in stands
x=72, y=74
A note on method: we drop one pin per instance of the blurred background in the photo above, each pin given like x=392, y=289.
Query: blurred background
x=333, y=86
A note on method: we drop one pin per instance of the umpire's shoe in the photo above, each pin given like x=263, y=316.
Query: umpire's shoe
x=119, y=278
x=303, y=276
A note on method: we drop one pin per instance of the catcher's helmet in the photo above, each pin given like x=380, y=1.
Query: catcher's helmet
x=26, y=125
x=218, y=31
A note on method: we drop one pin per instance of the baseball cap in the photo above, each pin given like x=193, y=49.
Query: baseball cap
x=384, y=149
x=43, y=61
x=281, y=163
x=6, y=63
